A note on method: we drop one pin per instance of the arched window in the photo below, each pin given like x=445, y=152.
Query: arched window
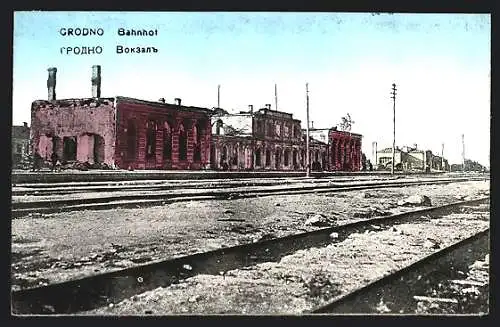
x=287, y=158
x=131, y=140
x=167, y=141
x=150, y=139
x=268, y=158
x=235, y=156
x=182, y=143
x=223, y=155
x=333, y=151
x=278, y=158
x=294, y=158
x=257, y=157
x=197, y=142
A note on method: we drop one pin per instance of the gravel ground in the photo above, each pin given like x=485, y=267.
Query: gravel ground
x=469, y=294
x=308, y=278
x=62, y=246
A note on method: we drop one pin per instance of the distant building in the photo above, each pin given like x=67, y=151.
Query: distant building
x=20, y=144
x=411, y=159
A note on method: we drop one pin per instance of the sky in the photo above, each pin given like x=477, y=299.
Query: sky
x=439, y=62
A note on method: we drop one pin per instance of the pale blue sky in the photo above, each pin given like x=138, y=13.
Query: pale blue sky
x=440, y=62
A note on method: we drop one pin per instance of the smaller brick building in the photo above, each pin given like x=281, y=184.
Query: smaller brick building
x=120, y=132
x=344, y=150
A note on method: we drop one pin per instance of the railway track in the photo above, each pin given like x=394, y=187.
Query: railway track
x=100, y=290
x=132, y=200
x=400, y=291
x=158, y=185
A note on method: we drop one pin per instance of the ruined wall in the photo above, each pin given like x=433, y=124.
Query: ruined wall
x=157, y=118
x=82, y=119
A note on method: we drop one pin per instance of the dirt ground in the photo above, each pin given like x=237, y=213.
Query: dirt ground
x=307, y=279
x=57, y=247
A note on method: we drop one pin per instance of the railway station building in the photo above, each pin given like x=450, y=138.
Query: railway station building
x=127, y=133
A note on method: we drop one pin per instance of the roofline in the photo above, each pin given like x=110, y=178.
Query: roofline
x=161, y=104
x=126, y=99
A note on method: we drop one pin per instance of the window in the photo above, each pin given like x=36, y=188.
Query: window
x=218, y=125
x=287, y=157
x=285, y=130
x=294, y=157
x=131, y=140
x=150, y=139
x=268, y=158
x=278, y=158
x=223, y=155
x=197, y=146
x=278, y=130
x=167, y=141
x=69, y=148
x=183, y=140
x=235, y=156
x=257, y=157
x=270, y=129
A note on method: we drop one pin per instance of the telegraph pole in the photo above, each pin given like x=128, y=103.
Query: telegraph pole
x=218, y=96
x=442, y=156
x=463, y=152
x=308, y=166
x=276, y=97
x=393, y=96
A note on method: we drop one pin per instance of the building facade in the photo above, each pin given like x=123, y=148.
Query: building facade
x=20, y=144
x=412, y=159
x=120, y=132
x=344, y=150
x=127, y=133
x=262, y=140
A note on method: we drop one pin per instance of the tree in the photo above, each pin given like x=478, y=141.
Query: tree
x=346, y=123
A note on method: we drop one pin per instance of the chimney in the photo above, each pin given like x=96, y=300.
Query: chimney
x=51, y=83
x=250, y=108
x=268, y=106
x=162, y=100
x=96, y=81
x=178, y=101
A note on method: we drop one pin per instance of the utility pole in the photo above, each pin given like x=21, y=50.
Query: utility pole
x=374, y=153
x=218, y=96
x=463, y=152
x=442, y=157
x=308, y=166
x=276, y=97
x=393, y=93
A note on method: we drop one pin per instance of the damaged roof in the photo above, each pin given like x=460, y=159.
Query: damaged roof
x=234, y=124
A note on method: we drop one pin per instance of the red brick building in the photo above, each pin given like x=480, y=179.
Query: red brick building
x=120, y=132
x=344, y=150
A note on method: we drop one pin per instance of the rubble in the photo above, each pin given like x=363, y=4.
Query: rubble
x=421, y=200
x=318, y=220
